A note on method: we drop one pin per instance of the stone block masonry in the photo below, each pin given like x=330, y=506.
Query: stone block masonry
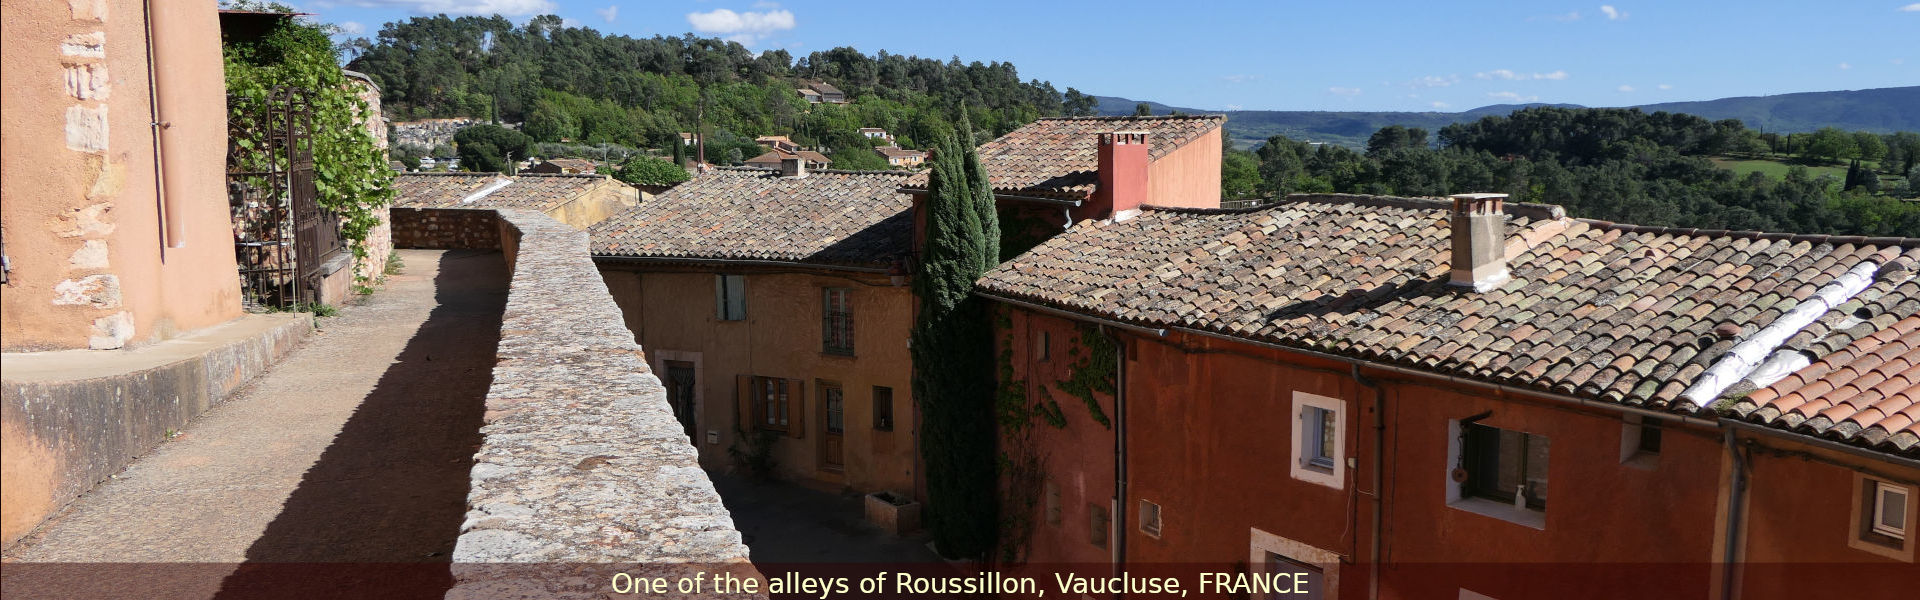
x=445, y=229
x=583, y=464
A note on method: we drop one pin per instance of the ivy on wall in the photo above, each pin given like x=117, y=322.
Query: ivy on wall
x=350, y=170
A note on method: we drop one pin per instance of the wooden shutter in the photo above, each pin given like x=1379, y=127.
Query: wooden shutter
x=720, y=298
x=797, y=408
x=743, y=399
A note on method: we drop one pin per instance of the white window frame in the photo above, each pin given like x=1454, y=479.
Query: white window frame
x=1301, y=466
x=1881, y=490
x=1150, y=522
x=1261, y=543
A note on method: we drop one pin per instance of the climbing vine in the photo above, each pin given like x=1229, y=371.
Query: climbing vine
x=350, y=170
x=1093, y=371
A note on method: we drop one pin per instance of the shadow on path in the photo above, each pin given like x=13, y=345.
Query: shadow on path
x=377, y=515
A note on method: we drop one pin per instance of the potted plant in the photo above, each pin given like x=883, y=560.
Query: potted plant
x=894, y=513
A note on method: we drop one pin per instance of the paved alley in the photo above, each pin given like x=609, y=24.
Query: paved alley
x=355, y=448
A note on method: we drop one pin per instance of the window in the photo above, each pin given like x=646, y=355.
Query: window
x=1319, y=439
x=883, y=408
x=1150, y=518
x=730, y=297
x=1883, y=512
x=1889, y=516
x=1098, y=522
x=836, y=317
x=1504, y=465
x=836, y=409
x=1043, y=347
x=1640, y=441
x=774, y=402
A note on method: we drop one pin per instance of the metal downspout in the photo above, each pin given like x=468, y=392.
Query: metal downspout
x=1379, y=460
x=1736, y=516
x=1119, y=455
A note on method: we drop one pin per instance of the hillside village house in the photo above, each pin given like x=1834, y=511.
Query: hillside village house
x=876, y=133
x=564, y=166
x=901, y=157
x=820, y=91
x=773, y=158
x=777, y=142
x=1470, y=399
x=774, y=307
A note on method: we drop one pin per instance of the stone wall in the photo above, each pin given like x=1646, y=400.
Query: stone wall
x=379, y=242
x=583, y=464
x=445, y=228
x=72, y=418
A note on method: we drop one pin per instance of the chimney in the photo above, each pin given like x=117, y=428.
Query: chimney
x=1479, y=241
x=1123, y=174
x=792, y=165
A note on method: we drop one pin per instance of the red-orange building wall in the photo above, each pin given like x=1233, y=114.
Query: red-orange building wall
x=1074, y=459
x=1800, y=515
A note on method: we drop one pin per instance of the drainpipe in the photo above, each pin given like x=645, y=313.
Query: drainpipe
x=165, y=175
x=1379, y=459
x=1735, y=518
x=1119, y=455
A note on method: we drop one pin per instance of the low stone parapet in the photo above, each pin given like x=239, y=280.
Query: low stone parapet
x=583, y=463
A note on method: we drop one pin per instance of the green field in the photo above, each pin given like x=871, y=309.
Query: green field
x=1774, y=169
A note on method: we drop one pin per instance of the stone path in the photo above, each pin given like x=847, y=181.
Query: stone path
x=355, y=448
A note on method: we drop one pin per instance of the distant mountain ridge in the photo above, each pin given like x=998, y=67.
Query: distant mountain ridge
x=1882, y=110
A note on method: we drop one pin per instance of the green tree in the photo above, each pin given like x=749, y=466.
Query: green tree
x=851, y=158
x=486, y=148
x=646, y=170
x=1829, y=144
x=957, y=398
x=1871, y=147
x=1077, y=104
x=1239, y=175
x=1142, y=110
x=350, y=172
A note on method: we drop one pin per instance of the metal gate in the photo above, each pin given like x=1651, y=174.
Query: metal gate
x=282, y=236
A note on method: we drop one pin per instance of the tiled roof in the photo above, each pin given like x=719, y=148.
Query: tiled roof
x=825, y=88
x=529, y=190
x=896, y=152
x=1862, y=394
x=1058, y=156
x=1622, y=314
x=579, y=164
x=773, y=157
x=828, y=217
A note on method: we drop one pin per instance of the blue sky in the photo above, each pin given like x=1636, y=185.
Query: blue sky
x=1305, y=55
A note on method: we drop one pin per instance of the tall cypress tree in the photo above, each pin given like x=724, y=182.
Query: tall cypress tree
x=953, y=352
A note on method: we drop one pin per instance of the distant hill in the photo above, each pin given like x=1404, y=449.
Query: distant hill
x=1879, y=110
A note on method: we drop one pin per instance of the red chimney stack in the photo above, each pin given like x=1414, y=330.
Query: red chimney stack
x=1123, y=173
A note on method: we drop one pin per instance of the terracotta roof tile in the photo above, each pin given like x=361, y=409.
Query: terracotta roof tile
x=1057, y=156
x=828, y=217
x=1862, y=394
x=533, y=191
x=1615, y=312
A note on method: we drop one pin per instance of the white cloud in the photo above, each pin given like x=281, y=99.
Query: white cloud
x=1915, y=7
x=1343, y=91
x=1440, y=105
x=1434, y=81
x=1513, y=97
x=609, y=13
x=1625, y=88
x=510, y=8
x=1665, y=86
x=1239, y=78
x=1508, y=75
x=744, y=27
x=1613, y=14
x=1845, y=66
x=352, y=28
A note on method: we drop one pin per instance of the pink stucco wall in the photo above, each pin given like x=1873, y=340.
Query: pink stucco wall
x=82, y=215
